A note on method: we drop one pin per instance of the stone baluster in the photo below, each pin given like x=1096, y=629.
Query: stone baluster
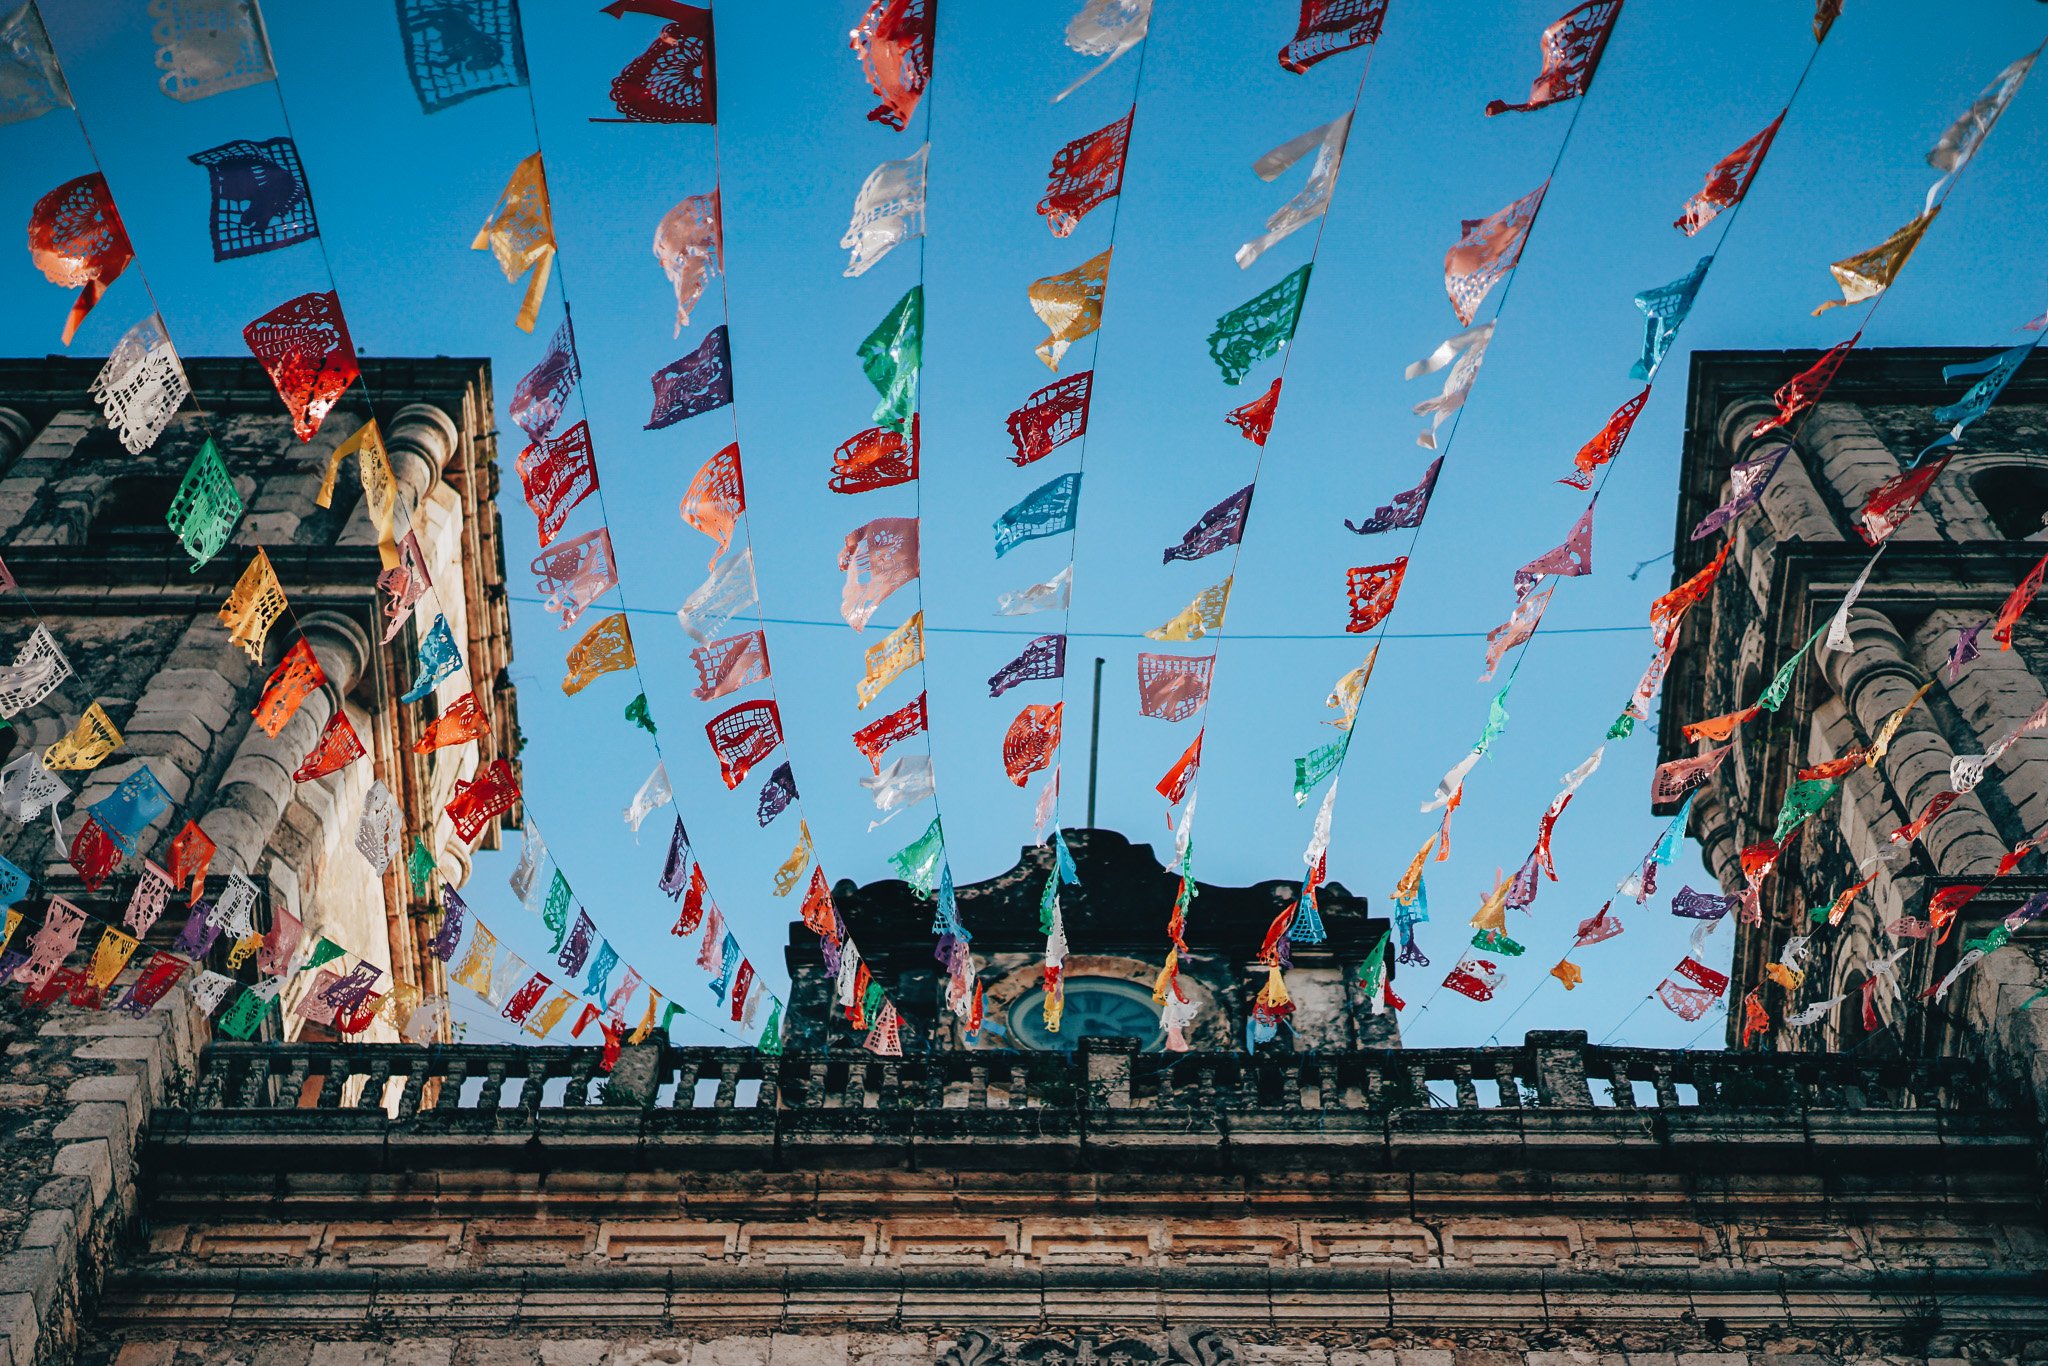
x=415, y=1086
x=294, y=1079
x=1505, y=1086
x=728, y=1083
x=453, y=1075
x=1620, y=1086
x=977, y=1086
x=1461, y=1084
x=335, y=1071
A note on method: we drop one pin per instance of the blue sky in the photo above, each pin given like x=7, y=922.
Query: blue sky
x=401, y=194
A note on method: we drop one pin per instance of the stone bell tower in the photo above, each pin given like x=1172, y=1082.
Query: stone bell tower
x=1943, y=578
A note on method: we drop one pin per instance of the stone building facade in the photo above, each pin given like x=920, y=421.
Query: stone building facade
x=1947, y=569
x=83, y=532
x=1323, y=1201
x=1548, y=1204
x=1119, y=911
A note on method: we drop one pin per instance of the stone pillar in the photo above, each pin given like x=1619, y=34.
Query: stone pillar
x=257, y=785
x=420, y=440
x=1719, y=836
x=1993, y=693
x=1875, y=678
x=1561, y=1068
x=1107, y=1064
x=1795, y=509
x=15, y=432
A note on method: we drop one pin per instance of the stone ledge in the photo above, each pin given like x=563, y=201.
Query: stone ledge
x=560, y=1231
x=836, y=1345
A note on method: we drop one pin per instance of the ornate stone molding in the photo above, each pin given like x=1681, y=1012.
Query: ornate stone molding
x=1179, y=1347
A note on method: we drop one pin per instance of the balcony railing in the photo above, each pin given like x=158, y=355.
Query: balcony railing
x=1551, y=1071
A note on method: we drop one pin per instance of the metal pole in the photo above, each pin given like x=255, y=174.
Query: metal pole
x=1094, y=741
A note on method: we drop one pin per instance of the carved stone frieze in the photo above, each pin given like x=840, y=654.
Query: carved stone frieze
x=1178, y=1347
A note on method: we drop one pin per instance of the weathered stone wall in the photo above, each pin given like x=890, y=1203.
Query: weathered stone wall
x=1949, y=567
x=1858, y=1224
x=574, y=1344
x=76, y=1092
x=712, y=1207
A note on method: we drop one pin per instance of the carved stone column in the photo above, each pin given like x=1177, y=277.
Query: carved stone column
x=1993, y=693
x=1875, y=678
x=1793, y=506
x=257, y=785
x=420, y=440
x=15, y=431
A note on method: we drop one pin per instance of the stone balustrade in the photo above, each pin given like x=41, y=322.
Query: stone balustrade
x=484, y=1205
x=247, y=1084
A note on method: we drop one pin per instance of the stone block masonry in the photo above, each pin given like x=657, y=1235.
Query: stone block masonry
x=76, y=1094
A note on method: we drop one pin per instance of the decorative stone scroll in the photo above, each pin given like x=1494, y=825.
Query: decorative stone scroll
x=1180, y=1347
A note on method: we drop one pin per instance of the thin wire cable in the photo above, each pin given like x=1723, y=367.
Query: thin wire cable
x=928, y=102
x=1137, y=635
x=1258, y=465
x=1625, y=1019
x=1948, y=187
x=1073, y=533
x=1450, y=438
x=1607, y=471
x=746, y=516
x=368, y=393
x=604, y=513
x=1222, y=631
